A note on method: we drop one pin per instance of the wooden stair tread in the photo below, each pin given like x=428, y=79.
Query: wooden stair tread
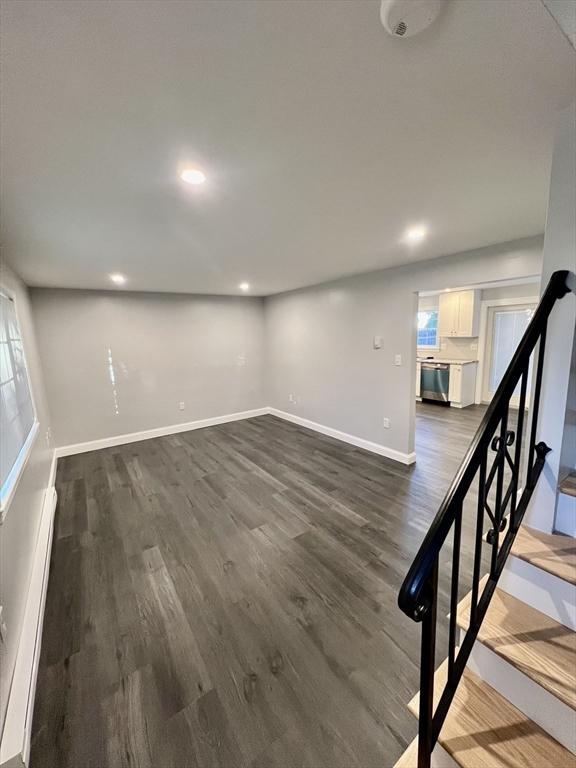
x=440, y=678
x=535, y=644
x=551, y=552
x=568, y=485
x=483, y=730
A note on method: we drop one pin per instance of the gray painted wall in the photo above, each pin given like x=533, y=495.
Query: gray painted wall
x=19, y=530
x=118, y=362
x=559, y=253
x=319, y=340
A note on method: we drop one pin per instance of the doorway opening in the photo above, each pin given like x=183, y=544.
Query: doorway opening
x=465, y=338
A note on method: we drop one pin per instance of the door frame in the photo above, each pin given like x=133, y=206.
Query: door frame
x=482, y=338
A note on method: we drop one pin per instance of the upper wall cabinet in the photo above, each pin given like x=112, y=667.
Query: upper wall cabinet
x=459, y=313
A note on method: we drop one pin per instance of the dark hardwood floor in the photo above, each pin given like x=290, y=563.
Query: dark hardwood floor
x=227, y=597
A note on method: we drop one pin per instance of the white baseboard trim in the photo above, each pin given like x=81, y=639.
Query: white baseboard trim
x=52, y=475
x=15, y=746
x=147, y=434
x=359, y=442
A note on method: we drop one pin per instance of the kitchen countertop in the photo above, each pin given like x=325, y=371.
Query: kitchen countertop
x=444, y=360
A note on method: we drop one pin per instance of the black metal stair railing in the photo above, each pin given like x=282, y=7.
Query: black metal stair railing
x=495, y=463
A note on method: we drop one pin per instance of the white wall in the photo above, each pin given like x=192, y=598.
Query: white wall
x=319, y=340
x=568, y=452
x=119, y=362
x=559, y=253
x=19, y=530
x=519, y=291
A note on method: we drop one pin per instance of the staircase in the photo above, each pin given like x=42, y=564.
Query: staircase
x=566, y=507
x=505, y=697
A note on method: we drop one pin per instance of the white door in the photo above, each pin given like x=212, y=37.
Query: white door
x=505, y=328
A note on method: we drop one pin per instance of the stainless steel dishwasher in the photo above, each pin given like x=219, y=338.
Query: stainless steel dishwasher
x=434, y=381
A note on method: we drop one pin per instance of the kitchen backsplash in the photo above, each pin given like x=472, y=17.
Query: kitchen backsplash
x=453, y=349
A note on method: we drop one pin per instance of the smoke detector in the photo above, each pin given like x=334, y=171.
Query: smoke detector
x=406, y=18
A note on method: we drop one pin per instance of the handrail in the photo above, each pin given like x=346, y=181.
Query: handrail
x=419, y=591
x=410, y=598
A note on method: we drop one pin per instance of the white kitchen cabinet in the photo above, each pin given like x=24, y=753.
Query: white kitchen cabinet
x=459, y=314
x=448, y=306
x=462, y=386
x=468, y=313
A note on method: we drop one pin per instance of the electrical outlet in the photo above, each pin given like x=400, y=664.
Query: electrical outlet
x=377, y=342
x=397, y=359
x=291, y=398
x=3, y=629
x=386, y=422
x=181, y=405
x=48, y=436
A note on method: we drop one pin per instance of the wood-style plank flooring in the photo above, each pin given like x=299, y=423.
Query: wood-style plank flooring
x=227, y=597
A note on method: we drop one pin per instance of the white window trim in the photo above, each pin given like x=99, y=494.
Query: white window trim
x=22, y=459
x=16, y=472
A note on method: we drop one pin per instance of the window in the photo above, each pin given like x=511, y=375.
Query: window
x=428, y=328
x=18, y=425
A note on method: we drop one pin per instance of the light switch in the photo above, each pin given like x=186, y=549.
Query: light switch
x=397, y=359
x=377, y=342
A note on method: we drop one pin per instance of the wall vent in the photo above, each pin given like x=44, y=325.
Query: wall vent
x=400, y=29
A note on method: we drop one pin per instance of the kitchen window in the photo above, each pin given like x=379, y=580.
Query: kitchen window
x=428, y=328
x=18, y=423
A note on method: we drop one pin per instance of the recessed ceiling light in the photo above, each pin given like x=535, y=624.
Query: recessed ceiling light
x=193, y=176
x=244, y=287
x=415, y=234
x=117, y=278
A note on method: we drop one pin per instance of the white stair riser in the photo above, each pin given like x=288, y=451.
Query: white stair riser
x=541, y=590
x=565, y=521
x=541, y=706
